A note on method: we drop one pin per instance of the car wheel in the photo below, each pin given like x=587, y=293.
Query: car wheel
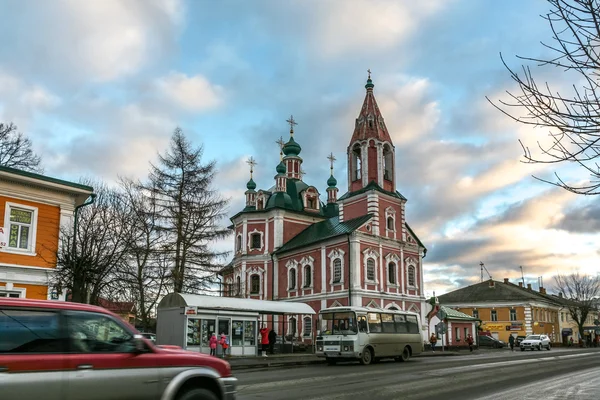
x=198, y=394
x=548, y=347
x=367, y=357
x=540, y=347
x=405, y=355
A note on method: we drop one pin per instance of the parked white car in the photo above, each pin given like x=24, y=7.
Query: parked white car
x=533, y=342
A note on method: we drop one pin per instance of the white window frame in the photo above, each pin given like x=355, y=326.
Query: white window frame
x=289, y=265
x=30, y=251
x=392, y=258
x=306, y=334
x=310, y=262
x=373, y=255
x=289, y=326
x=262, y=242
x=10, y=289
x=373, y=304
x=492, y=314
x=411, y=262
x=239, y=243
x=336, y=254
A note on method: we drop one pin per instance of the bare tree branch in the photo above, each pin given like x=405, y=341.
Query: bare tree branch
x=16, y=150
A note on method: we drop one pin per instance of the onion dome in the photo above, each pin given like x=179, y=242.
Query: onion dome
x=331, y=182
x=280, y=168
x=251, y=185
x=291, y=148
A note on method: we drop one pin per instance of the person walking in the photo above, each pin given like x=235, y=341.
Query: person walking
x=212, y=343
x=470, y=342
x=264, y=340
x=511, y=342
x=272, y=341
x=224, y=342
x=433, y=341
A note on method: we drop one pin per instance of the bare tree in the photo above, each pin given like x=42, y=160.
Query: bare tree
x=572, y=120
x=103, y=236
x=582, y=292
x=190, y=212
x=16, y=150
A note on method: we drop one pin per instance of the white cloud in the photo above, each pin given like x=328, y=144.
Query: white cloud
x=193, y=93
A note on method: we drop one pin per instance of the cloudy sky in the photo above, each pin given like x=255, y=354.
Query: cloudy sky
x=99, y=86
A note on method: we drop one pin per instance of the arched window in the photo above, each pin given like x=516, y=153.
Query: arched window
x=254, y=284
x=307, y=276
x=307, y=327
x=392, y=273
x=390, y=223
x=238, y=244
x=411, y=276
x=256, y=241
x=238, y=289
x=393, y=308
x=388, y=162
x=337, y=270
x=356, y=163
x=292, y=278
x=293, y=327
x=370, y=269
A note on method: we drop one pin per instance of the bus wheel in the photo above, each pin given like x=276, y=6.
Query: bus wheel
x=405, y=355
x=367, y=357
x=331, y=361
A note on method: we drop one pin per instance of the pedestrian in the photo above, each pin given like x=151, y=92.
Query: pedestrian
x=511, y=342
x=470, y=342
x=433, y=341
x=212, y=343
x=264, y=340
x=224, y=342
x=272, y=341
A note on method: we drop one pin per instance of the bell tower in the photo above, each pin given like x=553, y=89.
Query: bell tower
x=371, y=156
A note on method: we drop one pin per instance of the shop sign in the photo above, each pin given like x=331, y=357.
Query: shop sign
x=490, y=327
x=190, y=311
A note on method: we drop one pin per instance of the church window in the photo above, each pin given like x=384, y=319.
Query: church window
x=254, y=284
x=411, y=276
x=238, y=289
x=260, y=203
x=238, y=244
x=392, y=273
x=307, y=327
x=292, y=326
x=337, y=270
x=307, y=276
x=370, y=269
x=292, y=279
x=356, y=163
x=311, y=203
x=388, y=162
x=390, y=223
x=256, y=241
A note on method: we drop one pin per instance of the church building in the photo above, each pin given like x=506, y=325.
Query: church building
x=353, y=250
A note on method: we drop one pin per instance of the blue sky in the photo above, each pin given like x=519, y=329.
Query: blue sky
x=99, y=86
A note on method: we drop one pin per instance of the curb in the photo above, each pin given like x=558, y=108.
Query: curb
x=276, y=363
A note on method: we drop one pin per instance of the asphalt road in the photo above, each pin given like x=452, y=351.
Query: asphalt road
x=547, y=375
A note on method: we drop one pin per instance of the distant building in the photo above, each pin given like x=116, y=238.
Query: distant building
x=124, y=309
x=354, y=250
x=33, y=207
x=507, y=309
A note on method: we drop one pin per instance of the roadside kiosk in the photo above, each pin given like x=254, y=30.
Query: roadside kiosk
x=189, y=320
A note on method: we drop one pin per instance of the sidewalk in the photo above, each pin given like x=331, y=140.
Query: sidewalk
x=277, y=360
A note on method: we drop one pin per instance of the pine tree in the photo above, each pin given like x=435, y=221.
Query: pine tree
x=190, y=211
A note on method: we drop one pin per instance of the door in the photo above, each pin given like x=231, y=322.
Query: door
x=223, y=325
x=102, y=363
x=32, y=360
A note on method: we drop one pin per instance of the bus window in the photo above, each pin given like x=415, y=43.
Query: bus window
x=387, y=322
x=413, y=325
x=340, y=323
x=374, y=322
x=400, y=321
x=362, y=324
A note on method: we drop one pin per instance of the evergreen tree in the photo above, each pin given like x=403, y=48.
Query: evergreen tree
x=190, y=211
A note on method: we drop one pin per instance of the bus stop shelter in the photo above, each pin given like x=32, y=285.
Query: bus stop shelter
x=189, y=320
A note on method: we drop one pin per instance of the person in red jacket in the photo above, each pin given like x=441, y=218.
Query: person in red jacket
x=264, y=340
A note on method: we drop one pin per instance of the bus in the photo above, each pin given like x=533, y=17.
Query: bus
x=367, y=334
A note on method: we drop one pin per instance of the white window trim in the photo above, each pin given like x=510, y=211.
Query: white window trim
x=8, y=288
x=373, y=304
x=334, y=255
x=239, y=239
x=262, y=242
x=304, y=335
x=371, y=254
x=390, y=212
x=307, y=260
x=414, y=309
x=255, y=271
x=237, y=292
x=387, y=307
x=289, y=265
x=392, y=258
x=411, y=262
x=32, y=240
x=289, y=326
x=336, y=304
x=313, y=194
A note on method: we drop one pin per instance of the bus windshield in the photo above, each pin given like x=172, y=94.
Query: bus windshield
x=338, y=323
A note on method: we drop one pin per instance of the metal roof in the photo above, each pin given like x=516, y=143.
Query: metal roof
x=234, y=304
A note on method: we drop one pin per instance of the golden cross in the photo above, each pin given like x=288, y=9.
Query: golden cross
x=331, y=159
x=292, y=123
x=280, y=142
x=369, y=71
x=251, y=162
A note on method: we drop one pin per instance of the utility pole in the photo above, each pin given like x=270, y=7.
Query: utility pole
x=522, y=276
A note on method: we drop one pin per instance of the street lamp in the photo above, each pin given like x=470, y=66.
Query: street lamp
x=91, y=201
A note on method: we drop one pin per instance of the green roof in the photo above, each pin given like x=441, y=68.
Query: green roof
x=372, y=186
x=44, y=178
x=454, y=314
x=323, y=230
x=499, y=291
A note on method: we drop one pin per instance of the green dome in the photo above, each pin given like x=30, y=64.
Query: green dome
x=280, y=168
x=291, y=148
x=251, y=185
x=369, y=84
x=331, y=182
x=281, y=200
